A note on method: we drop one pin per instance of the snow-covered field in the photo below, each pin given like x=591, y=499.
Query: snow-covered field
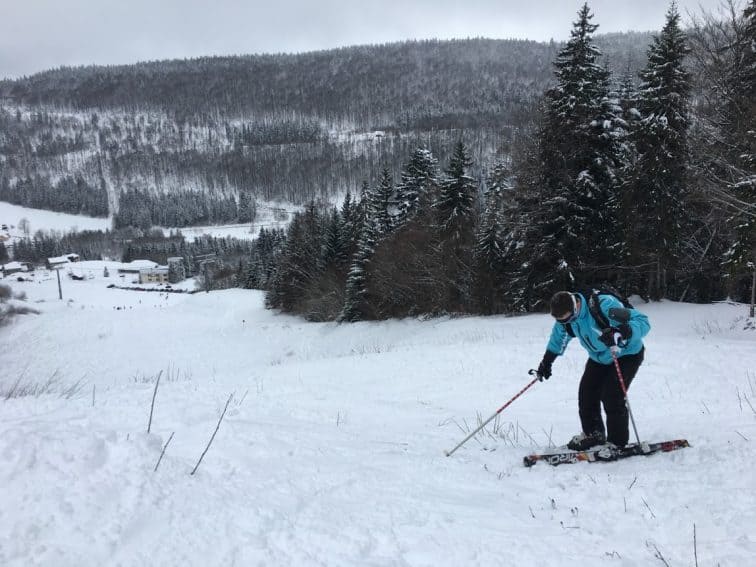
x=269, y=215
x=40, y=219
x=331, y=451
x=266, y=218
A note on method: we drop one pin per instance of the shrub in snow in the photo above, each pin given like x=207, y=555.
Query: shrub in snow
x=12, y=304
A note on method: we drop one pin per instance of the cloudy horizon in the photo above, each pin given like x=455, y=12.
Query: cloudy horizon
x=45, y=34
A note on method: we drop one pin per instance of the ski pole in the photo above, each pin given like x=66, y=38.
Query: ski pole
x=624, y=392
x=498, y=411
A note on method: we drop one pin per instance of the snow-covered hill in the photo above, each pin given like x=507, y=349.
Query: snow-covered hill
x=331, y=449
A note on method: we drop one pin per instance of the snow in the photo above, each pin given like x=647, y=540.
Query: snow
x=269, y=215
x=332, y=448
x=40, y=219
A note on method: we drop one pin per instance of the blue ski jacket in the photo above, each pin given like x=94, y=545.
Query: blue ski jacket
x=587, y=330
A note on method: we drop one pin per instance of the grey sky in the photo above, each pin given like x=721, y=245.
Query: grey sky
x=40, y=34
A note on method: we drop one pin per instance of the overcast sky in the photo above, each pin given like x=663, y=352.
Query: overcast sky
x=40, y=34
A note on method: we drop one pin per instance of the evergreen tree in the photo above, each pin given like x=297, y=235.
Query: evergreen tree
x=454, y=207
x=568, y=238
x=454, y=214
x=489, y=243
x=382, y=199
x=657, y=181
x=246, y=208
x=418, y=181
x=356, y=302
x=741, y=137
x=298, y=265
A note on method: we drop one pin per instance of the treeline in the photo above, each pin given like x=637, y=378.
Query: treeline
x=186, y=208
x=611, y=183
x=69, y=194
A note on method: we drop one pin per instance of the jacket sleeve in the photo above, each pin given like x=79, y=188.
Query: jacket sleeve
x=619, y=315
x=558, y=340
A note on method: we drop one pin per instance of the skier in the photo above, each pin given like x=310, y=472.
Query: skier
x=609, y=325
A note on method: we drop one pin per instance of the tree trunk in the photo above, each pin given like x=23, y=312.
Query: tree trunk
x=753, y=294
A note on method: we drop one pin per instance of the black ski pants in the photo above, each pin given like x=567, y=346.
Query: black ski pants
x=600, y=385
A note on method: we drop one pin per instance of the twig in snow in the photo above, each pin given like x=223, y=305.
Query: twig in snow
x=705, y=407
x=202, y=456
x=625, y=501
x=94, y=386
x=743, y=436
x=749, y=403
x=632, y=483
x=659, y=555
x=533, y=441
x=531, y=511
x=154, y=393
x=649, y=507
x=568, y=527
x=548, y=435
x=740, y=400
x=695, y=545
x=244, y=396
x=163, y=451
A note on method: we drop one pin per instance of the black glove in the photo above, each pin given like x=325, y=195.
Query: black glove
x=544, y=368
x=616, y=336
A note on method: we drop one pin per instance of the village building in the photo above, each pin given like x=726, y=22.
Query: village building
x=158, y=274
x=12, y=268
x=136, y=266
x=60, y=261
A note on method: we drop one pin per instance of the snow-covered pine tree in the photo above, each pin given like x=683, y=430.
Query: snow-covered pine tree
x=741, y=111
x=355, y=300
x=418, y=180
x=331, y=251
x=657, y=181
x=488, y=274
x=455, y=219
x=382, y=199
x=568, y=237
x=297, y=266
x=454, y=207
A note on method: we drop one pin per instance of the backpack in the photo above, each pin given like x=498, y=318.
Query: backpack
x=591, y=295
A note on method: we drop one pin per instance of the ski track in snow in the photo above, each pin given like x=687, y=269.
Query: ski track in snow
x=331, y=451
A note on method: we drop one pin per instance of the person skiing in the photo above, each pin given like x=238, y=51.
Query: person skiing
x=605, y=325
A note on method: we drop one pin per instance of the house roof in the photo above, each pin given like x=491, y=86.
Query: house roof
x=58, y=260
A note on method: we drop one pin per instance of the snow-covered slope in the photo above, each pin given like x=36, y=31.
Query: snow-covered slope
x=331, y=449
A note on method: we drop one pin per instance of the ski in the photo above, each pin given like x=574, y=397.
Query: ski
x=563, y=456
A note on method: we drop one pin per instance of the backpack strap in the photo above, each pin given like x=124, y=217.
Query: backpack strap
x=594, y=306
